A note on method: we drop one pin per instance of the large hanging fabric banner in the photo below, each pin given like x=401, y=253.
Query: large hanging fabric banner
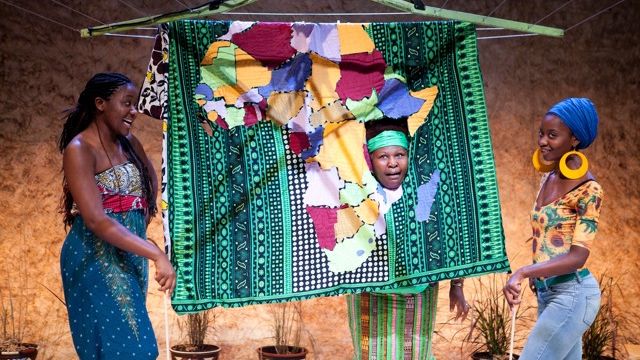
x=267, y=183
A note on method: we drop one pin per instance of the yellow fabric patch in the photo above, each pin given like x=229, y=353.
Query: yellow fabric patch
x=428, y=95
x=284, y=106
x=354, y=39
x=368, y=211
x=249, y=72
x=322, y=85
x=230, y=93
x=335, y=112
x=212, y=52
x=342, y=147
x=212, y=115
x=347, y=225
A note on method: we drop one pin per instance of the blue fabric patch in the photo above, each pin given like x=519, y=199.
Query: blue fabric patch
x=426, y=196
x=395, y=101
x=290, y=77
x=315, y=139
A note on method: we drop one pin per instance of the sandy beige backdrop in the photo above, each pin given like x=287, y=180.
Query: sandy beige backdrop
x=43, y=67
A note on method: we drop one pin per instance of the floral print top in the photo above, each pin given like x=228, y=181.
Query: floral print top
x=570, y=220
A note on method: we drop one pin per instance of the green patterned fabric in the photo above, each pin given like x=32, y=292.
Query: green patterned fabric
x=237, y=177
x=393, y=326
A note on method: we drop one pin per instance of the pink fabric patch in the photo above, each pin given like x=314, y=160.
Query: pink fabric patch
x=299, y=141
x=268, y=43
x=324, y=220
x=223, y=124
x=250, y=116
x=359, y=74
x=254, y=113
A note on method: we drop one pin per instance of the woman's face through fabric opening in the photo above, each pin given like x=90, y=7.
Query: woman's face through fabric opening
x=390, y=165
x=554, y=138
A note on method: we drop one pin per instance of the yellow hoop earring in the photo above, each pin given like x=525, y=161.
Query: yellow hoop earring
x=571, y=173
x=539, y=164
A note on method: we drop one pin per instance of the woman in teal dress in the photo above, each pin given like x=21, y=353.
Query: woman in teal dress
x=109, y=191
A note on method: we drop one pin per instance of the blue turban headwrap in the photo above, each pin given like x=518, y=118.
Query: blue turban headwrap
x=579, y=114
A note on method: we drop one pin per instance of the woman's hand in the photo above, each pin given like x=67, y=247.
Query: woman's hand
x=457, y=301
x=165, y=275
x=512, y=289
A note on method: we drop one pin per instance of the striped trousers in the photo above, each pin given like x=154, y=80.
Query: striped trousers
x=393, y=326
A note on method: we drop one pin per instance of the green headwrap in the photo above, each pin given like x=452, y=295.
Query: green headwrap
x=388, y=138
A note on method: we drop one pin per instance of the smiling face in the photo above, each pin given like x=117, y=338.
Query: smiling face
x=118, y=111
x=390, y=165
x=554, y=138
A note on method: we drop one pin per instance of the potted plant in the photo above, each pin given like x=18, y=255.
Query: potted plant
x=12, y=345
x=195, y=328
x=287, y=333
x=606, y=332
x=490, y=330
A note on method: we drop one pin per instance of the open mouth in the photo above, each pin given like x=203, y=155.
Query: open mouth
x=128, y=121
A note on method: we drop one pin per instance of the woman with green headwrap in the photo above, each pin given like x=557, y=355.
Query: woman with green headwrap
x=398, y=323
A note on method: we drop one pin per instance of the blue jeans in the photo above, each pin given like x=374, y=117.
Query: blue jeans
x=565, y=312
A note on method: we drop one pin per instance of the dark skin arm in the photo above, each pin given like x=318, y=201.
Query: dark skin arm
x=559, y=265
x=79, y=164
x=457, y=301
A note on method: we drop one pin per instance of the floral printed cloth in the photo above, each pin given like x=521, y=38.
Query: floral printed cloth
x=570, y=220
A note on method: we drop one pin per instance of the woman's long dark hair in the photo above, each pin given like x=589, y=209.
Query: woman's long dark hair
x=101, y=85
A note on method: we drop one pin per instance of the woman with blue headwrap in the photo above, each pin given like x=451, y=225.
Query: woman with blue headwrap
x=397, y=323
x=564, y=221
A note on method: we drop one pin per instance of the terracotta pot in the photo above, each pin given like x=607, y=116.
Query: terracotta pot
x=270, y=353
x=483, y=355
x=30, y=352
x=195, y=352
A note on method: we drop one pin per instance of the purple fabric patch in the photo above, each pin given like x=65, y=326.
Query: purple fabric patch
x=395, y=101
x=359, y=74
x=315, y=140
x=305, y=29
x=268, y=43
x=324, y=220
x=426, y=196
x=325, y=42
x=290, y=77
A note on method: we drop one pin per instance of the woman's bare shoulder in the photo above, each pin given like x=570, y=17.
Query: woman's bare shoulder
x=81, y=148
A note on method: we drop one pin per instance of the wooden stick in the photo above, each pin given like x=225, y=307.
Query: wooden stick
x=166, y=325
x=513, y=330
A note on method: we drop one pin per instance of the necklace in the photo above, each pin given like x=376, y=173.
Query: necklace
x=115, y=171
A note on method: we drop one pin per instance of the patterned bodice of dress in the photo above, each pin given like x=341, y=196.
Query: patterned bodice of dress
x=570, y=220
x=121, y=188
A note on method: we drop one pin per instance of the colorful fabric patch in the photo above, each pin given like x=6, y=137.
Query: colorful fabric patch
x=324, y=220
x=426, y=197
x=253, y=208
x=360, y=74
x=268, y=43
